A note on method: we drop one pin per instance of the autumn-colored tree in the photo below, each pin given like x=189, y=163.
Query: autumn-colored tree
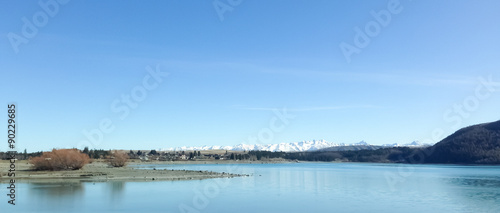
x=62, y=159
x=118, y=159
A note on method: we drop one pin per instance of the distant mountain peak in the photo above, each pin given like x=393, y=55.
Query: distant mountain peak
x=302, y=146
x=362, y=143
x=416, y=143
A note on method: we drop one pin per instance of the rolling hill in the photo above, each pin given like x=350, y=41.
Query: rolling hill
x=477, y=144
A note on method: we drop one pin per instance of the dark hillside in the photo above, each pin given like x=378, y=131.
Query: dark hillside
x=478, y=144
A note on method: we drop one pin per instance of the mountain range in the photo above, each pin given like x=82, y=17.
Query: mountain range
x=303, y=146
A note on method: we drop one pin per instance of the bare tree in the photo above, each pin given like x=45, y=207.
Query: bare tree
x=118, y=159
x=62, y=159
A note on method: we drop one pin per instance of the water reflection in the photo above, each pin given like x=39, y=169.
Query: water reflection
x=58, y=194
x=310, y=181
x=117, y=189
x=477, y=181
x=75, y=190
x=483, y=190
x=56, y=190
x=281, y=188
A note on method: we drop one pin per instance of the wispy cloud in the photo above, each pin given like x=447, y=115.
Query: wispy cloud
x=308, y=109
x=390, y=77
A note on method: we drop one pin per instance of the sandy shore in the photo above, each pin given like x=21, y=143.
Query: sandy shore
x=100, y=171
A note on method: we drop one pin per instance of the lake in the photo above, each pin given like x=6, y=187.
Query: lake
x=291, y=187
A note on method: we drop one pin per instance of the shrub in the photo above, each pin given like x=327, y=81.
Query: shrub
x=118, y=159
x=62, y=159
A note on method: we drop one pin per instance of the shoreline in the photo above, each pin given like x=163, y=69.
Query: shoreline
x=200, y=162
x=99, y=171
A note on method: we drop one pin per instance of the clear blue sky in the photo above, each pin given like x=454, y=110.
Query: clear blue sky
x=226, y=75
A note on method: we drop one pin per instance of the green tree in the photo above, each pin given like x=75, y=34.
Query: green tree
x=86, y=150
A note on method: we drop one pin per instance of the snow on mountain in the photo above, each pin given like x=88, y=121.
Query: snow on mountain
x=362, y=143
x=412, y=144
x=302, y=146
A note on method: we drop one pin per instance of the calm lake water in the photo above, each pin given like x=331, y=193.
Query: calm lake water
x=294, y=187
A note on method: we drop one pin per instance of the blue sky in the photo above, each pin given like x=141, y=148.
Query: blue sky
x=225, y=76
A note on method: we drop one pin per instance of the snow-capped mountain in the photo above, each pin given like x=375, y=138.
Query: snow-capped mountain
x=412, y=144
x=302, y=146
